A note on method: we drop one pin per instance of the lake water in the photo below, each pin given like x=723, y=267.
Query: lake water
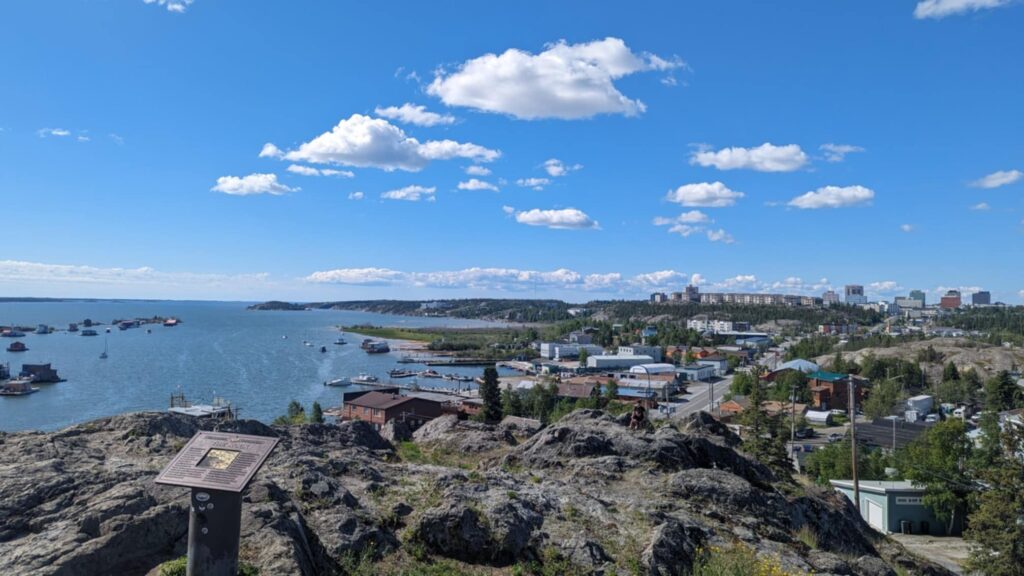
x=220, y=348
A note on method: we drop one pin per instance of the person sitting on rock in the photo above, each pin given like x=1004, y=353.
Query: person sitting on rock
x=636, y=420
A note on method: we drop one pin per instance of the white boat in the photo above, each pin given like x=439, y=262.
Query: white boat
x=18, y=387
x=339, y=382
x=104, y=355
x=365, y=378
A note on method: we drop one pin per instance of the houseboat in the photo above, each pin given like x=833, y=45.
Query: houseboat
x=377, y=347
x=18, y=387
x=89, y=332
x=17, y=346
x=40, y=374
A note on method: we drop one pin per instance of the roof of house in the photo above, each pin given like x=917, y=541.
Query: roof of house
x=880, y=432
x=880, y=486
x=695, y=367
x=805, y=366
x=576, y=390
x=826, y=376
x=380, y=400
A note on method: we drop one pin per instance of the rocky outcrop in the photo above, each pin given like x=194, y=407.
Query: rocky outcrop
x=585, y=493
x=463, y=436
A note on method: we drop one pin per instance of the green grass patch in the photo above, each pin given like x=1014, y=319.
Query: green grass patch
x=392, y=333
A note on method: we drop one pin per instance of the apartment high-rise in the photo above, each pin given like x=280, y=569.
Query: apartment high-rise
x=830, y=298
x=855, y=294
x=982, y=298
x=918, y=295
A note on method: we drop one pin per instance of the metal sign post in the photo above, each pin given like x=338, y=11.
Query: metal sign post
x=217, y=466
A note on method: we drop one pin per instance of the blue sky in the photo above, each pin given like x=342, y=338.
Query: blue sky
x=687, y=142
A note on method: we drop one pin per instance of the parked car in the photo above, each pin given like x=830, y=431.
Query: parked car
x=805, y=433
x=835, y=437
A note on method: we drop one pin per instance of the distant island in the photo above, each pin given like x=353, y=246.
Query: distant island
x=278, y=305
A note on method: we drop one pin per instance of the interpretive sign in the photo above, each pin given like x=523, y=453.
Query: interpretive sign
x=218, y=461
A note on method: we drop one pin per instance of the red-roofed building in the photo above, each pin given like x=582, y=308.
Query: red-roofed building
x=378, y=408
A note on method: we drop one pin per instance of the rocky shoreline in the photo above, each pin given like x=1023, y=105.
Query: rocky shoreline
x=583, y=494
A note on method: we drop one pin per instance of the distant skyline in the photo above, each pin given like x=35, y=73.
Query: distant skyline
x=200, y=149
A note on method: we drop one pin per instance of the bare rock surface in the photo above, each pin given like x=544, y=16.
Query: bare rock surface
x=486, y=499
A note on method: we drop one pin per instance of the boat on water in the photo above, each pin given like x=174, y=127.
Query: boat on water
x=89, y=332
x=12, y=334
x=17, y=346
x=323, y=349
x=307, y=343
x=430, y=374
x=72, y=327
x=377, y=347
x=18, y=387
x=399, y=373
x=171, y=322
x=365, y=378
x=103, y=356
x=408, y=360
x=340, y=342
x=458, y=378
x=339, y=382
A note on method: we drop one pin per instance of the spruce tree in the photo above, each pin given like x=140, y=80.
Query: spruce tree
x=317, y=414
x=491, y=395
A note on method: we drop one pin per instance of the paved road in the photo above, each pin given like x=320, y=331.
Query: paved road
x=696, y=398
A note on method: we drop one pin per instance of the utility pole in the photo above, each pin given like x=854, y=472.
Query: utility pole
x=853, y=439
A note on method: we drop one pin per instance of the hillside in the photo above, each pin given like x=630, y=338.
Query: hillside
x=986, y=359
x=582, y=496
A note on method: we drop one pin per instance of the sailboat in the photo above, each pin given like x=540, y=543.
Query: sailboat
x=104, y=355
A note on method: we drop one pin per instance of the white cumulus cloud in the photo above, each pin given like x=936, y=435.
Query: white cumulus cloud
x=907, y=227
x=356, y=196
x=567, y=81
x=176, y=6
x=941, y=8
x=764, y=158
x=838, y=152
x=366, y=142
x=310, y=171
x=357, y=276
x=252, y=184
x=477, y=170
x=411, y=193
x=704, y=194
x=720, y=235
x=414, y=114
x=833, y=197
x=997, y=179
x=58, y=132
x=981, y=207
x=555, y=167
x=535, y=183
x=564, y=219
x=475, y=184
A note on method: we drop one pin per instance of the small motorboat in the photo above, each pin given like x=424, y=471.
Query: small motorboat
x=17, y=346
x=430, y=374
x=307, y=343
x=365, y=378
x=340, y=342
x=284, y=337
x=323, y=349
x=399, y=373
x=339, y=382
